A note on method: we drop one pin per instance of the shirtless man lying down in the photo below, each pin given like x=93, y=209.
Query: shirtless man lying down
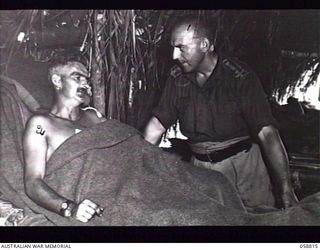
x=46, y=132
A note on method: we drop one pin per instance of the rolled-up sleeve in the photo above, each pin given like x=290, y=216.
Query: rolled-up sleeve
x=255, y=106
x=166, y=110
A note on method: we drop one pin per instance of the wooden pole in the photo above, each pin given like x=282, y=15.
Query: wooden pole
x=98, y=85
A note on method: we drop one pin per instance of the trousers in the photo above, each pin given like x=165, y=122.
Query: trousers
x=249, y=175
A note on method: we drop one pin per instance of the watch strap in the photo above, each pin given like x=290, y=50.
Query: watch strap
x=66, y=208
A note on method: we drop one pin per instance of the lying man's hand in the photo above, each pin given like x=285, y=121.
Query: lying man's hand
x=85, y=210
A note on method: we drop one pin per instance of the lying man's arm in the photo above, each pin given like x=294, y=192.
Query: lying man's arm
x=35, y=148
x=278, y=162
x=154, y=131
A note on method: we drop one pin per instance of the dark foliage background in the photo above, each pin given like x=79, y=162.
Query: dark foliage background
x=128, y=51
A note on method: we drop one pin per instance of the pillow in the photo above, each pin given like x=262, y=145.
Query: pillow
x=33, y=76
x=23, y=93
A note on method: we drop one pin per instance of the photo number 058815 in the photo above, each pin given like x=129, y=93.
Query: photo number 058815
x=309, y=246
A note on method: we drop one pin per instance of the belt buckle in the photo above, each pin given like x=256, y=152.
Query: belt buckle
x=209, y=156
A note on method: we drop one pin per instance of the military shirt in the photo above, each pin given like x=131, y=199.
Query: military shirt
x=230, y=104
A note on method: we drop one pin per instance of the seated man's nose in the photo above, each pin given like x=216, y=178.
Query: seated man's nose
x=175, y=54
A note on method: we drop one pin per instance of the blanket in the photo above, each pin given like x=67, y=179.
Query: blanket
x=136, y=182
x=139, y=185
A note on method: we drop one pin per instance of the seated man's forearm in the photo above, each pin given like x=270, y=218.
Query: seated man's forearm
x=277, y=158
x=154, y=131
x=153, y=138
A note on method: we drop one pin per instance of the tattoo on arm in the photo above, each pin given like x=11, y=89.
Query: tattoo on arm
x=40, y=130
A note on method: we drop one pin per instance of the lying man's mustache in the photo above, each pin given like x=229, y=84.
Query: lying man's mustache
x=85, y=89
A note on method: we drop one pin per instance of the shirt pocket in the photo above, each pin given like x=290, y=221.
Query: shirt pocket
x=228, y=107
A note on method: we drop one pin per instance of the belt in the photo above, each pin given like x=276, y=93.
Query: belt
x=223, y=154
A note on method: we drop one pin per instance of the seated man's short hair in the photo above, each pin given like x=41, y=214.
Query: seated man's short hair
x=200, y=25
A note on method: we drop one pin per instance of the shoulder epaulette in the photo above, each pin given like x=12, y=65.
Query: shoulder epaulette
x=239, y=71
x=175, y=71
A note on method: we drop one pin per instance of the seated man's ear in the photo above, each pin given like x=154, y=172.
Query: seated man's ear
x=56, y=80
x=205, y=45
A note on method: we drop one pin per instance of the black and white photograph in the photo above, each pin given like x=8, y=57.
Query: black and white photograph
x=161, y=118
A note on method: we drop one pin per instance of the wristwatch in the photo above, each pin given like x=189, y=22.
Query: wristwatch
x=66, y=208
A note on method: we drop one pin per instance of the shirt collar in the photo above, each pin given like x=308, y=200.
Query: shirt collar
x=215, y=75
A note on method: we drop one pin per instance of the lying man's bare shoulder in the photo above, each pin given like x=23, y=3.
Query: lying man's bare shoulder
x=39, y=123
x=50, y=130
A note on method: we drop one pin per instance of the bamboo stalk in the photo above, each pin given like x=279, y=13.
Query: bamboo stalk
x=97, y=66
